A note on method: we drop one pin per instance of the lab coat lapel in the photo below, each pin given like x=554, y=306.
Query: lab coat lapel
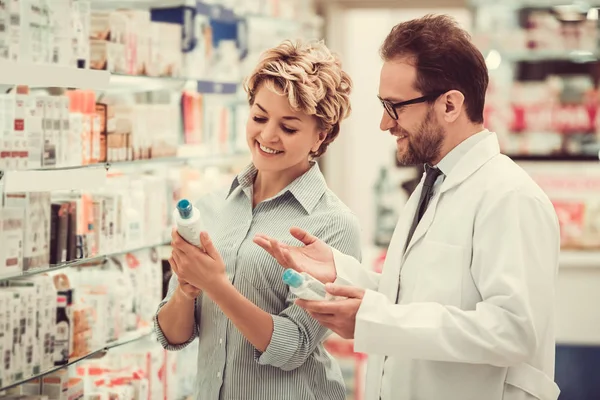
x=475, y=158
x=425, y=222
x=393, y=260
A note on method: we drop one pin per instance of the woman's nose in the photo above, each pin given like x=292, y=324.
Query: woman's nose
x=269, y=133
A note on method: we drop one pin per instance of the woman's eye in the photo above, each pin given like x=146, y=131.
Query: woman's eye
x=260, y=120
x=289, y=130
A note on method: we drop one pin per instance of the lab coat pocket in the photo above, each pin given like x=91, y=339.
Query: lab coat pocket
x=439, y=270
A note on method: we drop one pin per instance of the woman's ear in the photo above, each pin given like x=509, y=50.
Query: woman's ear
x=317, y=145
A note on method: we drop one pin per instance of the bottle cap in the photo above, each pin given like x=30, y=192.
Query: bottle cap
x=292, y=278
x=185, y=208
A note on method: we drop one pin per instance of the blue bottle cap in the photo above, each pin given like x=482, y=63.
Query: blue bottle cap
x=185, y=208
x=292, y=278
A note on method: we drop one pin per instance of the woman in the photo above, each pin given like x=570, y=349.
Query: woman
x=254, y=342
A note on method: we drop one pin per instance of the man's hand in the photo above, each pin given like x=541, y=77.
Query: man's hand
x=315, y=257
x=337, y=315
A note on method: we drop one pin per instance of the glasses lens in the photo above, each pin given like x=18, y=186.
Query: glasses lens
x=390, y=109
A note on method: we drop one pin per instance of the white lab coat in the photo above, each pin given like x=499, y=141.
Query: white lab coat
x=475, y=315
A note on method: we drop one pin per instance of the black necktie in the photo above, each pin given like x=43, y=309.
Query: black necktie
x=431, y=174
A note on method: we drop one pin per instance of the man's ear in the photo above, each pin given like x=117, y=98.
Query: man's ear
x=453, y=104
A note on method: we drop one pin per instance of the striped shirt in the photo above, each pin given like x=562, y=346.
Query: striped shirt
x=295, y=365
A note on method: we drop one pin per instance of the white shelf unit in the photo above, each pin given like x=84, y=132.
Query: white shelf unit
x=50, y=180
x=47, y=75
x=579, y=259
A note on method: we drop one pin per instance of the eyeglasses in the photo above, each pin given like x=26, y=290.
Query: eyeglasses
x=392, y=108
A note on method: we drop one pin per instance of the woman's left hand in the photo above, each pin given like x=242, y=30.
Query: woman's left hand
x=202, y=269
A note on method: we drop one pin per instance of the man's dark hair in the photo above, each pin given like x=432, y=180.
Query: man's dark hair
x=445, y=59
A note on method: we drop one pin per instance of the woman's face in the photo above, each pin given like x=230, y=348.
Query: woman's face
x=279, y=137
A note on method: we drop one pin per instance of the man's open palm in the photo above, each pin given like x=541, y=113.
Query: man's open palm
x=315, y=257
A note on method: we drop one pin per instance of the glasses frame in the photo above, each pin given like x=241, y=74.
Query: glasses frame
x=392, y=108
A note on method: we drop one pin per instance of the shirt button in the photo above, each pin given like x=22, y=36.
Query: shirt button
x=218, y=374
x=220, y=341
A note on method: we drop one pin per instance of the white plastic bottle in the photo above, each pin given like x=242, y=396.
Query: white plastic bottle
x=305, y=286
x=189, y=225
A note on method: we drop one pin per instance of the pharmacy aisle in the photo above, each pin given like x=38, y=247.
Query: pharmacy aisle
x=110, y=112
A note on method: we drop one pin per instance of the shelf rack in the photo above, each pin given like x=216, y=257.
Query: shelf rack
x=129, y=337
x=77, y=263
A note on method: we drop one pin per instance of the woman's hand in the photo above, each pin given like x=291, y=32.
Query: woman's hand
x=189, y=291
x=203, y=270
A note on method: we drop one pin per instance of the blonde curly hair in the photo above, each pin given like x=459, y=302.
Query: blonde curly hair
x=312, y=79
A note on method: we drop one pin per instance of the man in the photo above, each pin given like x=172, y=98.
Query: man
x=464, y=307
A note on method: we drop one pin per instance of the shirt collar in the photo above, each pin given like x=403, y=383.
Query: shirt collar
x=307, y=189
x=453, y=157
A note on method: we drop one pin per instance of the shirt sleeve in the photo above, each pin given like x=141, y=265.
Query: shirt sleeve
x=157, y=329
x=295, y=333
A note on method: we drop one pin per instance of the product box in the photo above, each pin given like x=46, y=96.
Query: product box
x=120, y=144
x=56, y=385
x=70, y=153
x=59, y=232
x=18, y=30
x=60, y=137
x=36, y=206
x=6, y=338
x=12, y=224
x=61, y=39
x=51, y=136
x=4, y=30
x=106, y=119
x=32, y=360
x=573, y=189
x=17, y=322
x=196, y=37
x=46, y=307
x=81, y=21
x=170, y=61
x=6, y=120
x=20, y=148
x=35, y=132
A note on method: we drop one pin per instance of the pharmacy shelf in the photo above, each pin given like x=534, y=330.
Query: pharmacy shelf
x=579, y=259
x=532, y=3
x=78, y=263
x=139, y=83
x=47, y=75
x=575, y=56
x=52, y=179
x=554, y=157
x=92, y=176
x=185, y=157
x=135, y=4
x=129, y=337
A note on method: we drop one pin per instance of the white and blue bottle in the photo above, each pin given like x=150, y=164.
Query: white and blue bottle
x=189, y=224
x=305, y=286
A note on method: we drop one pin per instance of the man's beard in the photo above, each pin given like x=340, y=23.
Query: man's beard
x=425, y=144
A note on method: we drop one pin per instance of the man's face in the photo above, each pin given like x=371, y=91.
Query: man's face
x=418, y=133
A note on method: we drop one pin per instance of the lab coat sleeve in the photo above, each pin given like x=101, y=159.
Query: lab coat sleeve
x=295, y=333
x=516, y=243
x=351, y=272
